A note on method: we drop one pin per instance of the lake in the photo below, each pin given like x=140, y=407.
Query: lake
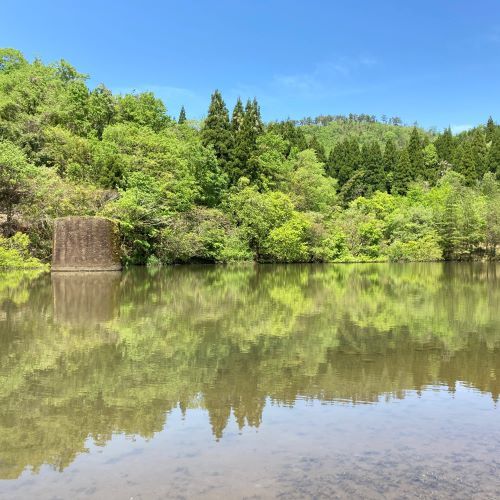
x=252, y=381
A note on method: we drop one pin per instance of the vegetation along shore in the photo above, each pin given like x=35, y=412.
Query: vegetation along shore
x=230, y=187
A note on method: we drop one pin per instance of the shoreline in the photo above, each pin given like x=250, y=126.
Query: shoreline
x=47, y=268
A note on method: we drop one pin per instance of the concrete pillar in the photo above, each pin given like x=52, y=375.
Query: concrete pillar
x=85, y=244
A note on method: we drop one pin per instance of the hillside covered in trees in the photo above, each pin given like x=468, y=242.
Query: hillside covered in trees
x=330, y=189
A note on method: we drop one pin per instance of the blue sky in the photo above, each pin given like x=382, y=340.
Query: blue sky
x=435, y=62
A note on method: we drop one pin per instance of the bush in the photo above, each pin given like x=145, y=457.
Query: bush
x=331, y=248
x=235, y=247
x=201, y=234
x=424, y=249
x=14, y=253
x=288, y=242
x=258, y=213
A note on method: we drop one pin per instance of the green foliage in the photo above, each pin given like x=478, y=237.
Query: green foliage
x=490, y=129
x=390, y=161
x=363, y=227
x=237, y=116
x=14, y=175
x=402, y=174
x=491, y=192
x=494, y=154
x=69, y=154
x=292, y=134
x=365, y=132
x=200, y=235
x=413, y=234
x=431, y=163
x=245, y=142
x=288, y=242
x=373, y=165
x=268, y=166
x=142, y=210
x=224, y=190
x=143, y=109
x=328, y=243
x=465, y=162
x=416, y=155
x=344, y=161
x=353, y=188
x=309, y=187
x=479, y=152
x=445, y=145
x=216, y=131
x=318, y=148
x=11, y=59
x=182, y=116
x=53, y=197
x=460, y=221
x=257, y=214
x=423, y=249
x=101, y=109
x=14, y=253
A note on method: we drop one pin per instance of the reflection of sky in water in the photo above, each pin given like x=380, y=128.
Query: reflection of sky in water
x=436, y=443
x=212, y=381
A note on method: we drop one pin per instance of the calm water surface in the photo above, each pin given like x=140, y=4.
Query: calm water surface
x=315, y=381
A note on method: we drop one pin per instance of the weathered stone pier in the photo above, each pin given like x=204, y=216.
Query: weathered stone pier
x=85, y=244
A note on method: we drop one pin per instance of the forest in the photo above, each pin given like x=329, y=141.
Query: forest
x=230, y=187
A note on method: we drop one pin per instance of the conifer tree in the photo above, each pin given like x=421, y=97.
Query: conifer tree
x=479, y=151
x=353, y=188
x=490, y=129
x=295, y=136
x=245, y=141
x=494, y=154
x=415, y=154
x=291, y=133
x=464, y=162
x=237, y=116
x=182, y=116
x=335, y=159
x=258, y=124
x=444, y=145
x=373, y=165
x=351, y=162
x=402, y=174
x=318, y=148
x=390, y=160
x=216, y=130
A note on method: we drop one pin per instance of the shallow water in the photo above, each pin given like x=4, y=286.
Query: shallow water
x=322, y=381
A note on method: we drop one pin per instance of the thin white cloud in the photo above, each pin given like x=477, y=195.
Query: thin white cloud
x=456, y=129
x=299, y=82
x=326, y=78
x=337, y=77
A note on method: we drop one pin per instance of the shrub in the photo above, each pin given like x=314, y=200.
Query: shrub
x=14, y=253
x=201, y=234
x=288, y=242
x=424, y=249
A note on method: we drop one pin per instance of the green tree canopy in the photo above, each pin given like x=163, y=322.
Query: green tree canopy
x=216, y=131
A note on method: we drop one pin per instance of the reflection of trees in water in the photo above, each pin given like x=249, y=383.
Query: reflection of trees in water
x=74, y=363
